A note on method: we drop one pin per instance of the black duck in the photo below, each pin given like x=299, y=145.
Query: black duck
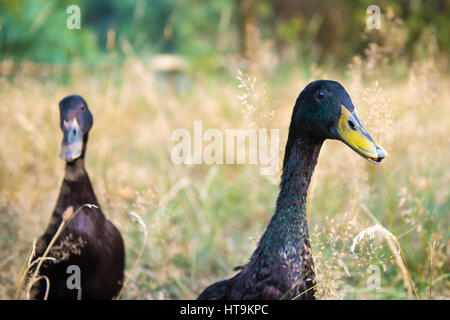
x=282, y=266
x=89, y=241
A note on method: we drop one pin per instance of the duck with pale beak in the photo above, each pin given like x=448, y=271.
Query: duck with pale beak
x=76, y=121
x=100, y=255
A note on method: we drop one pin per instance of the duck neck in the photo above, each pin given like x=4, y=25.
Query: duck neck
x=75, y=170
x=76, y=189
x=299, y=163
x=286, y=237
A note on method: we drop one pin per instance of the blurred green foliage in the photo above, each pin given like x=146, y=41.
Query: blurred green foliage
x=316, y=30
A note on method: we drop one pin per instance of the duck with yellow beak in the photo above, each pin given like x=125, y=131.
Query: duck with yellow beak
x=325, y=110
x=282, y=267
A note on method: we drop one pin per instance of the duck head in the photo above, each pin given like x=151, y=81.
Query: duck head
x=75, y=121
x=324, y=110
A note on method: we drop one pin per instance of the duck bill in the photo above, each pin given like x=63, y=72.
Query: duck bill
x=353, y=134
x=72, y=144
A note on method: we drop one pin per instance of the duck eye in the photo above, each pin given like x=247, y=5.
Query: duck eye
x=82, y=107
x=320, y=94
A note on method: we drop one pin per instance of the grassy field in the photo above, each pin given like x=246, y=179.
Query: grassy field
x=198, y=222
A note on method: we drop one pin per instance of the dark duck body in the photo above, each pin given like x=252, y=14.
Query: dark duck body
x=282, y=266
x=89, y=240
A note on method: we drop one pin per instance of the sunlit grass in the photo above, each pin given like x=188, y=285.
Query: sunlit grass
x=202, y=220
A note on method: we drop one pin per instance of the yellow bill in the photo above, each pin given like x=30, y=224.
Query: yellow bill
x=353, y=134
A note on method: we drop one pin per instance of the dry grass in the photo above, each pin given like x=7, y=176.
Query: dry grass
x=204, y=220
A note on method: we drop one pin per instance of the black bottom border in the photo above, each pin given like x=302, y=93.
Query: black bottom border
x=192, y=309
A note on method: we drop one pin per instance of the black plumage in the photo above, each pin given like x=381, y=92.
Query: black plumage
x=282, y=266
x=89, y=241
